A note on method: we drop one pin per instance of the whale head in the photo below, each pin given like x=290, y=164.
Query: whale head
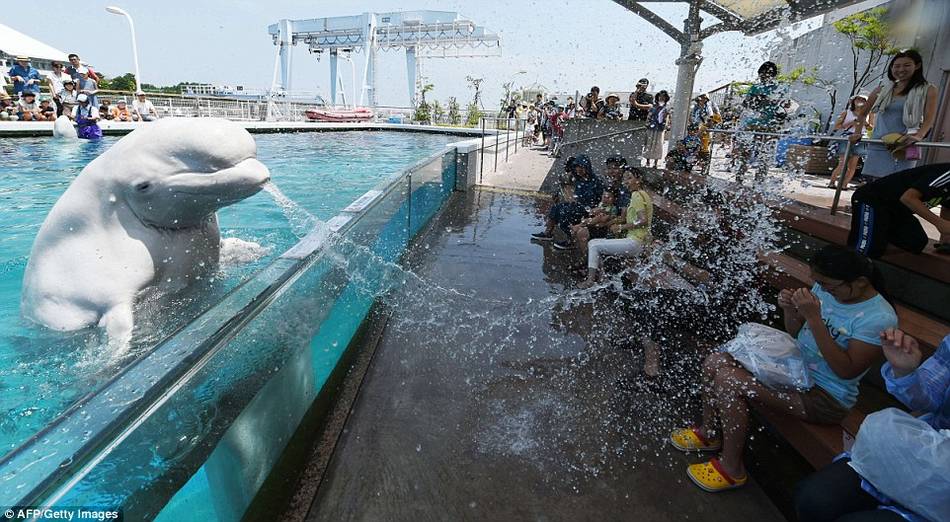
x=175, y=173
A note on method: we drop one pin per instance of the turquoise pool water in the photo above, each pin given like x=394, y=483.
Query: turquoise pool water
x=42, y=372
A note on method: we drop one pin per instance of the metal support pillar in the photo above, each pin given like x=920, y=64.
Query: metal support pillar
x=411, y=74
x=334, y=75
x=688, y=63
x=286, y=53
x=369, y=68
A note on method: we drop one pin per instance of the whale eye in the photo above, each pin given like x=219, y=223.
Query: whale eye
x=143, y=186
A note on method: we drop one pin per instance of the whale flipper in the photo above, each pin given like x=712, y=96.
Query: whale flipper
x=118, y=323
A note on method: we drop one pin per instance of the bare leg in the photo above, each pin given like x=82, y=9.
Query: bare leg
x=711, y=366
x=651, y=357
x=581, y=236
x=736, y=389
x=852, y=168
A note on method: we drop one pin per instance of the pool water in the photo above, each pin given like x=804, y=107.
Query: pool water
x=42, y=372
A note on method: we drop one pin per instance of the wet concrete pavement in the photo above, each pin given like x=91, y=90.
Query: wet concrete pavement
x=491, y=398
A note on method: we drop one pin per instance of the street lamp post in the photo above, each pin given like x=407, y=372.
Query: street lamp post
x=135, y=53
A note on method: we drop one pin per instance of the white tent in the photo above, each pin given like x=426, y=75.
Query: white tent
x=14, y=43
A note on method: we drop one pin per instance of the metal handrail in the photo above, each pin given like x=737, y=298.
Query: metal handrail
x=608, y=135
x=821, y=137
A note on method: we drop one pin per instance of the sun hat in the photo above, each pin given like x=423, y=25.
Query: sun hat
x=22, y=58
x=4, y=95
x=69, y=80
x=120, y=102
x=24, y=94
x=82, y=97
x=613, y=95
x=139, y=93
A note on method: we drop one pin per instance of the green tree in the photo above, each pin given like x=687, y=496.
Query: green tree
x=438, y=112
x=455, y=115
x=126, y=82
x=869, y=34
x=422, y=113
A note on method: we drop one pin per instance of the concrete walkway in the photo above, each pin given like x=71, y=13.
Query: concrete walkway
x=490, y=398
x=523, y=172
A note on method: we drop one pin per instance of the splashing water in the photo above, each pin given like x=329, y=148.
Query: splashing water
x=301, y=221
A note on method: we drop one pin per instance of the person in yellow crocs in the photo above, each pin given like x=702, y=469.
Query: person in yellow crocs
x=837, y=323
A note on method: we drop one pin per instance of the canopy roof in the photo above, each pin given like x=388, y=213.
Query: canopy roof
x=749, y=16
x=15, y=43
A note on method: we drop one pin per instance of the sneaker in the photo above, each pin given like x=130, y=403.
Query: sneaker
x=542, y=236
x=558, y=245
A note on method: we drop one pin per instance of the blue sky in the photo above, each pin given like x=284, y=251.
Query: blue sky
x=565, y=45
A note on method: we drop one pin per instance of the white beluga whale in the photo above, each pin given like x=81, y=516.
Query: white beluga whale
x=63, y=128
x=141, y=216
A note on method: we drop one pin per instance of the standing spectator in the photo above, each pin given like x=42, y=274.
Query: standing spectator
x=25, y=77
x=143, y=108
x=593, y=103
x=765, y=110
x=27, y=108
x=704, y=114
x=8, y=109
x=570, y=110
x=121, y=112
x=640, y=102
x=557, y=128
x=845, y=125
x=86, y=116
x=73, y=68
x=657, y=121
x=905, y=105
x=67, y=97
x=611, y=110
x=88, y=86
x=55, y=81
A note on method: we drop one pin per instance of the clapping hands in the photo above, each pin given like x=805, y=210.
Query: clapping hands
x=901, y=350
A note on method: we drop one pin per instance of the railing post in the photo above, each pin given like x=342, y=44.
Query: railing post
x=517, y=122
x=507, y=136
x=841, y=177
x=496, y=145
x=481, y=159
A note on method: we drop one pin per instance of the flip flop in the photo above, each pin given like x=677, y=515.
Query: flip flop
x=690, y=439
x=711, y=477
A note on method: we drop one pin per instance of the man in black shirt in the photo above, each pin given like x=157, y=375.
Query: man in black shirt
x=884, y=211
x=640, y=102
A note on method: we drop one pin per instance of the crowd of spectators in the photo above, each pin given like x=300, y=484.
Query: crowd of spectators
x=72, y=91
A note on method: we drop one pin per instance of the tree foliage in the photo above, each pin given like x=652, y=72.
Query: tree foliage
x=455, y=115
x=870, y=37
x=423, y=114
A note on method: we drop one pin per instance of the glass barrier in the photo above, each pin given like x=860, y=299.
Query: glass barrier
x=191, y=431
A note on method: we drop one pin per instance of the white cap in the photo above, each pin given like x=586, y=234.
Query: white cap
x=82, y=69
x=82, y=97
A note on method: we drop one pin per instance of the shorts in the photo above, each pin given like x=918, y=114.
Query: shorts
x=821, y=407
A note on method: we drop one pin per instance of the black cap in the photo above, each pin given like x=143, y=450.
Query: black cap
x=616, y=160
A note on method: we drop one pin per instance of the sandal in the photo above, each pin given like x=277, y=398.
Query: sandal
x=942, y=248
x=713, y=478
x=690, y=439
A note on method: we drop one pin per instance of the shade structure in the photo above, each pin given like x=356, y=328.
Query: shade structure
x=747, y=16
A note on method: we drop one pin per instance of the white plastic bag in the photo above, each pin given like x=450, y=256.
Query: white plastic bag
x=906, y=459
x=772, y=356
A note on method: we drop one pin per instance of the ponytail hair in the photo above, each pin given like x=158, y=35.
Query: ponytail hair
x=838, y=262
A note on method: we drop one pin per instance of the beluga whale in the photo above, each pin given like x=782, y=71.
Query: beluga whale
x=63, y=128
x=140, y=217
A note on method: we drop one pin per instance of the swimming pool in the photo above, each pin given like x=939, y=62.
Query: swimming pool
x=42, y=372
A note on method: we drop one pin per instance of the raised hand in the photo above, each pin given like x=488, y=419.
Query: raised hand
x=901, y=350
x=806, y=303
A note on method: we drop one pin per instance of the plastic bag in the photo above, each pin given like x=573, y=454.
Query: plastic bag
x=906, y=459
x=771, y=355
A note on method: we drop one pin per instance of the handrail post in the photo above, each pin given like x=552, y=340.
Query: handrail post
x=841, y=177
x=507, y=136
x=496, y=145
x=481, y=161
x=517, y=123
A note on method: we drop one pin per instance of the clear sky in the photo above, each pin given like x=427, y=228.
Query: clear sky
x=565, y=45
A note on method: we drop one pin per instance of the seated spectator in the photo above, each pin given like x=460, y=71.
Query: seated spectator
x=105, y=110
x=582, y=233
x=47, y=111
x=24, y=76
x=86, y=116
x=8, y=109
x=687, y=152
x=27, y=108
x=143, y=108
x=611, y=110
x=631, y=235
x=588, y=190
x=885, y=211
x=839, y=492
x=837, y=323
x=121, y=112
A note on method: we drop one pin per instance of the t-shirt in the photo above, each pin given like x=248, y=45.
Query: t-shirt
x=56, y=81
x=612, y=112
x=588, y=191
x=594, y=107
x=640, y=202
x=862, y=321
x=23, y=106
x=933, y=182
x=764, y=103
x=143, y=108
x=644, y=98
